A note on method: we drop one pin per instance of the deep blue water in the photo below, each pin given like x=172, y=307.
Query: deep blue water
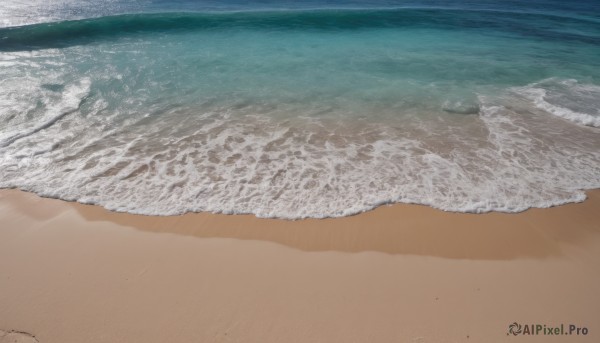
x=301, y=109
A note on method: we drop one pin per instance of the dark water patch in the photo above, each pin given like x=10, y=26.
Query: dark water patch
x=75, y=32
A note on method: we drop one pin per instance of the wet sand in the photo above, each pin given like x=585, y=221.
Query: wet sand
x=400, y=273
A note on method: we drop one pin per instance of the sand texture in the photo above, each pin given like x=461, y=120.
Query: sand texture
x=400, y=273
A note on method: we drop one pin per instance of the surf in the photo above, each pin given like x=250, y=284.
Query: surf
x=83, y=31
x=302, y=113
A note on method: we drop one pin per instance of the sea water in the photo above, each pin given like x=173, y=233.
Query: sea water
x=301, y=109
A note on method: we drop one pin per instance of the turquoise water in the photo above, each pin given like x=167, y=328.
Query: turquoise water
x=319, y=110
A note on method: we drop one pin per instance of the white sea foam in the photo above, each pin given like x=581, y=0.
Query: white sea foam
x=510, y=157
x=56, y=107
x=569, y=99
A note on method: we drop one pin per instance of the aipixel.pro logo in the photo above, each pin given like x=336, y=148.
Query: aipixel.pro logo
x=517, y=329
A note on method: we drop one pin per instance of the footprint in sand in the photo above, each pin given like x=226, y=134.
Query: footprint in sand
x=16, y=337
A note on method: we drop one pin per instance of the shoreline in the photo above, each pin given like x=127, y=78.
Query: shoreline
x=400, y=273
x=418, y=226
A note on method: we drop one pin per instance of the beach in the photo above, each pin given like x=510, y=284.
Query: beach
x=299, y=171
x=400, y=273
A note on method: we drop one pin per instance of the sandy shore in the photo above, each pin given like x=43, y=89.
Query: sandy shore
x=401, y=273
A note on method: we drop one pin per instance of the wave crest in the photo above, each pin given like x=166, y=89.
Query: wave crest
x=568, y=99
x=72, y=32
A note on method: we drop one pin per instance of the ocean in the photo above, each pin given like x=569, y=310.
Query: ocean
x=296, y=109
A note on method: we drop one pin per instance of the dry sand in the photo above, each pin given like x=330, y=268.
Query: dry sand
x=401, y=273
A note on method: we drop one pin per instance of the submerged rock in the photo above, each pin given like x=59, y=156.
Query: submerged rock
x=461, y=107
